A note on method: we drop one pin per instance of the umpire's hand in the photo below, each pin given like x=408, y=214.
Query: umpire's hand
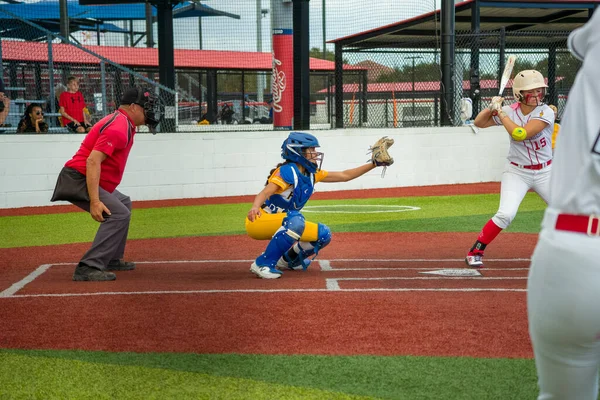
x=96, y=209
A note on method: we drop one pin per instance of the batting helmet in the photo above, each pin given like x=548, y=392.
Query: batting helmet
x=295, y=144
x=528, y=80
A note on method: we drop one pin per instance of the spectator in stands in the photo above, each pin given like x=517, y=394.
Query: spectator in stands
x=72, y=104
x=226, y=114
x=4, y=105
x=32, y=120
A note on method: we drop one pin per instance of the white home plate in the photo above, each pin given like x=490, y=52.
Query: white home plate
x=454, y=272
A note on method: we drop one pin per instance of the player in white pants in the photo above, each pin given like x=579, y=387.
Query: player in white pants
x=563, y=293
x=529, y=156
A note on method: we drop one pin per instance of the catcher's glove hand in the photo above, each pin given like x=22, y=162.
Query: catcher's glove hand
x=379, y=153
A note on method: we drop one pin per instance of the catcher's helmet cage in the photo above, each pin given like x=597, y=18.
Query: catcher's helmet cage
x=293, y=147
x=528, y=80
x=147, y=99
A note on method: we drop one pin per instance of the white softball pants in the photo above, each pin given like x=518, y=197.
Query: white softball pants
x=514, y=186
x=563, y=302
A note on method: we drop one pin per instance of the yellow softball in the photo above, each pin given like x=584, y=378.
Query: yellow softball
x=519, y=134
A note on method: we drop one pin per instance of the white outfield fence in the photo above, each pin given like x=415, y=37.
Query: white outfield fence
x=213, y=164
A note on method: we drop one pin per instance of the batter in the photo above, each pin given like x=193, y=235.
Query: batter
x=530, y=124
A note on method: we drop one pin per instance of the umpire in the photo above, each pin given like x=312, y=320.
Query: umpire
x=90, y=178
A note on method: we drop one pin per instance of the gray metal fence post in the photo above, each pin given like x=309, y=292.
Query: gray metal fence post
x=103, y=80
x=51, y=74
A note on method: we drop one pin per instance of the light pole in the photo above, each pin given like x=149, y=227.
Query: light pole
x=324, y=40
x=260, y=78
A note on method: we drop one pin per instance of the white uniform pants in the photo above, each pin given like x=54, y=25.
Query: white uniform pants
x=514, y=186
x=563, y=301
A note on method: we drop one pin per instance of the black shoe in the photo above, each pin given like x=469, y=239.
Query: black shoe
x=120, y=265
x=85, y=273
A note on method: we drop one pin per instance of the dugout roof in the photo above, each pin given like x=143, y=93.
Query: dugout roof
x=50, y=10
x=528, y=18
x=46, y=13
x=144, y=57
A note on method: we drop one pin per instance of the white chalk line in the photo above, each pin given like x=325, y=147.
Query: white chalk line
x=325, y=265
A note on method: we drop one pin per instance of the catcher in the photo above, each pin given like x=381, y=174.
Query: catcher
x=275, y=213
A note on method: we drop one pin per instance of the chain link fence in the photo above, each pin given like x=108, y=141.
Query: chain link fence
x=223, y=60
x=402, y=86
x=223, y=63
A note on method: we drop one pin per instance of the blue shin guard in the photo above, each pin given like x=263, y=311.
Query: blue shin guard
x=300, y=260
x=284, y=238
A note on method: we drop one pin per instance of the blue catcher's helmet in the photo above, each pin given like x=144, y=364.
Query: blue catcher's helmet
x=293, y=147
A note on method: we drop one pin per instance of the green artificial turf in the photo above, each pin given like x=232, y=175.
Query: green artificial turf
x=466, y=213
x=99, y=375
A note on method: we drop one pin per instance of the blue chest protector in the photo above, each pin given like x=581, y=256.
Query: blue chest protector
x=303, y=187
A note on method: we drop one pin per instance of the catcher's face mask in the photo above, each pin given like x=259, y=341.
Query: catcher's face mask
x=313, y=156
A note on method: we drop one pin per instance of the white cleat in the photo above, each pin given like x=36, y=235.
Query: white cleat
x=474, y=260
x=265, y=272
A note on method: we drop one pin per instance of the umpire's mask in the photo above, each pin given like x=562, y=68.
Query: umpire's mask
x=151, y=104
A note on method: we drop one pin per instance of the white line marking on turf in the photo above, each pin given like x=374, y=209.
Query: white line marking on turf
x=331, y=269
x=212, y=291
x=325, y=265
x=425, y=259
x=332, y=284
x=328, y=262
x=425, y=278
x=29, y=278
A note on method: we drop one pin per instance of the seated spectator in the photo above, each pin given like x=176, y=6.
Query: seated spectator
x=72, y=104
x=226, y=114
x=32, y=120
x=4, y=106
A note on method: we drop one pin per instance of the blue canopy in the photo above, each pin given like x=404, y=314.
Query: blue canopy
x=50, y=10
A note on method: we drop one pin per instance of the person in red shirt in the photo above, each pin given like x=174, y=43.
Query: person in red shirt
x=100, y=162
x=72, y=104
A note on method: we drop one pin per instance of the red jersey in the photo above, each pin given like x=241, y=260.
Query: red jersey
x=73, y=103
x=113, y=136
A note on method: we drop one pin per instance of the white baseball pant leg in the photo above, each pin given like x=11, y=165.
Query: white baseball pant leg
x=563, y=300
x=513, y=187
x=541, y=183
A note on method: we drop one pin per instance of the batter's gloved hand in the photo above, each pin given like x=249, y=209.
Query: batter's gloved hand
x=379, y=153
x=496, y=104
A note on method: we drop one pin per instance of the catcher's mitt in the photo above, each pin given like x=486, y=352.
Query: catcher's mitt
x=379, y=153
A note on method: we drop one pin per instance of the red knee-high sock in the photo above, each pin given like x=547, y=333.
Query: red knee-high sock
x=489, y=232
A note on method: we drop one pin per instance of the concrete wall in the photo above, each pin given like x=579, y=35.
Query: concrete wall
x=189, y=165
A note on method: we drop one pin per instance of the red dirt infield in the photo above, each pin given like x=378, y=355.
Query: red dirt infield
x=186, y=295
x=292, y=315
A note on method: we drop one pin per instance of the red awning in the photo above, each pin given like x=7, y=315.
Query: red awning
x=148, y=57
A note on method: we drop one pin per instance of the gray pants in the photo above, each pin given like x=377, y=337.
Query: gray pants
x=110, y=240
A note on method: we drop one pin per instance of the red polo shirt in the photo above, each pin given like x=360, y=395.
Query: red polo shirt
x=73, y=103
x=113, y=136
